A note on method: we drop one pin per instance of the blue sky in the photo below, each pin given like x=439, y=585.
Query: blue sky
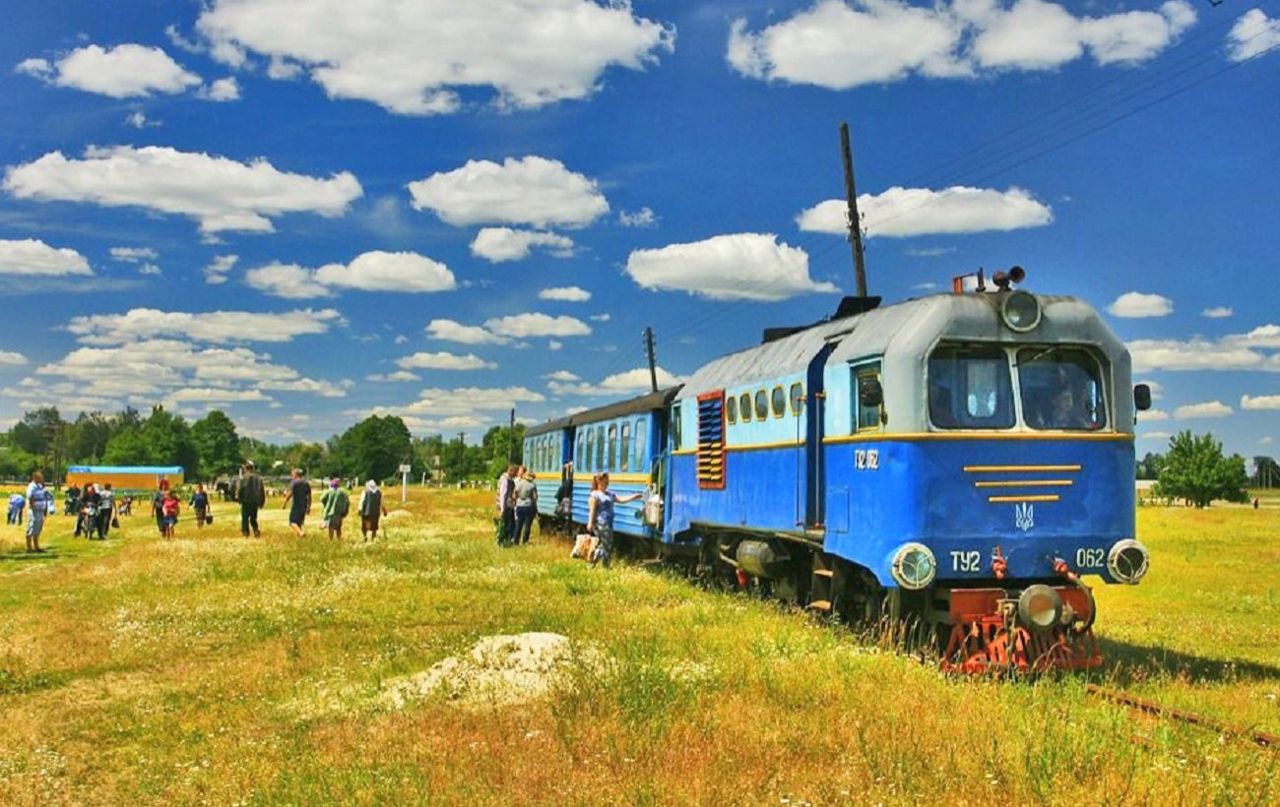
x=302, y=213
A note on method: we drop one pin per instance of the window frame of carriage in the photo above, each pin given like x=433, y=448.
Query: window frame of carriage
x=744, y=412
x=795, y=400
x=730, y=409
x=762, y=396
x=778, y=401
x=859, y=369
x=1106, y=371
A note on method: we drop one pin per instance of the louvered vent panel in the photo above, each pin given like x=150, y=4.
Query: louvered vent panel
x=711, y=440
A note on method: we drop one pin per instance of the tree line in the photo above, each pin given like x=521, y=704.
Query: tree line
x=211, y=447
x=1195, y=470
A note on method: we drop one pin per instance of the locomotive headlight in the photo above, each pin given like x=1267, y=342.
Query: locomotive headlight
x=1127, y=561
x=914, y=566
x=1020, y=310
x=1040, y=607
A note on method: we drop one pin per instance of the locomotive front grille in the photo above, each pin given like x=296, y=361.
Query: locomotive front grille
x=1019, y=498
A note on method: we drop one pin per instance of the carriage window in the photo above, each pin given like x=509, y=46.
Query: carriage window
x=797, y=399
x=591, y=450
x=625, y=453
x=744, y=407
x=613, y=448
x=600, y=449
x=731, y=410
x=762, y=405
x=640, y=446
x=779, y=402
x=866, y=417
x=677, y=428
x=1061, y=388
x=969, y=388
x=577, y=454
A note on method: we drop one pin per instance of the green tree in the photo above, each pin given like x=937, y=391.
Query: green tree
x=1266, y=473
x=1149, y=466
x=217, y=444
x=88, y=436
x=17, y=464
x=1196, y=470
x=127, y=447
x=168, y=440
x=499, y=450
x=373, y=448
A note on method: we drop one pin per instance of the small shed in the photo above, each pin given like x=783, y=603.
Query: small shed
x=125, y=477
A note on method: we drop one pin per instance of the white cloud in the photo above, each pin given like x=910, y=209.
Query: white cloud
x=555, y=344
x=1253, y=34
x=451, y=331
x=532, y=190
x=404, y=272
x=214, y=395
x=562, y=375
x=600, y=317
x=1157, y=389
x=631, y=381
x=415, y=58
x=1259, y=402
x=928, y=252
x=1263, y=336
x=521, y=326
x=220, y=193
x=498, y=244
x=124, y=71
x=1152, y=415
x=1196, y=354
x=463, y=401
x=1155, y=435
x=1137, y=305
x=215, y=272
x=224, y=89
x=149, y=269
x=210, y=326
x=742, y=266
x=399, y=375
x=134, y=254
x=905, y=212
x=444, y=361
x=9, y=358
x=840, y=45
x=567, y=294
x=1217, y=312
x=30, y=256
x=1208, y=409
x=139, y=120
x=644, y=218
x=1266, y=441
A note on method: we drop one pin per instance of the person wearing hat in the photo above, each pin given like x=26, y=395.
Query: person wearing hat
x=334, y=505
x=252, y=496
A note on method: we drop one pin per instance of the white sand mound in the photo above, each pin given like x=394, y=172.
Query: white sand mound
x=498, y=671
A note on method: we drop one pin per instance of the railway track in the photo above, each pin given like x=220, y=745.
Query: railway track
x=1258, y=738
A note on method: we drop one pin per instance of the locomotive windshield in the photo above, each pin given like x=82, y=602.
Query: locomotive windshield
x=969, y=388
x=1061, y=388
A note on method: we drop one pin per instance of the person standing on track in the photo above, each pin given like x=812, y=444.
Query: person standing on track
x=252, y=495
x=300, y=494
x=526, y=495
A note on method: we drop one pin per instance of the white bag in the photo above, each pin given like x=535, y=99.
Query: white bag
x=581, y=544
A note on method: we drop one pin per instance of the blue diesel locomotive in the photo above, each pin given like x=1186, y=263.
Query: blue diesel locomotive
x=960, y=459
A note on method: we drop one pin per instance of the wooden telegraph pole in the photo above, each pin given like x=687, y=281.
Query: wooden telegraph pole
x=653, y=364
x=855, y=223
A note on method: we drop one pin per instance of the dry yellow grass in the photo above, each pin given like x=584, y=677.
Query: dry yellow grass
x=216, y=670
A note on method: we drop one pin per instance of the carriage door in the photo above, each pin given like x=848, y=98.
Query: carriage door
x=814, y=483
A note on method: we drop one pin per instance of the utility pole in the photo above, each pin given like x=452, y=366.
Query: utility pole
x=855, y=223
x=511, y=438
x=653, y=366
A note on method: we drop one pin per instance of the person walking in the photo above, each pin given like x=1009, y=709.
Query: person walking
x=200, y=505
x=106, y=511
x=371, y=509
x=507, y=505
x=526, y=496
x=300, y=494
x=600, y=518
x=38, y=509
x=170, y=507
x=252, y=495
x=157, y=505
x=334, y=504
x=87, y=519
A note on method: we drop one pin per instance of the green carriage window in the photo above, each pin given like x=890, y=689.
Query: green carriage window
x=625, y=454
x=779, y=402
x=600, y=449
x=641, y=447
x=797, y=398
x=744, y=407
x=613, y=448
x=762, y=405
x=731, y=410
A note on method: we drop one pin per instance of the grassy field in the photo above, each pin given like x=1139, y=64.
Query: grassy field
x=216, y=670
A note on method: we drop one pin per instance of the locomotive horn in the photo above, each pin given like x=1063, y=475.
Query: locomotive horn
x=1016, y=274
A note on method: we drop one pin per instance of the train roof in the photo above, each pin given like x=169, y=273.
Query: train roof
x=644, y=403
x=913, y=324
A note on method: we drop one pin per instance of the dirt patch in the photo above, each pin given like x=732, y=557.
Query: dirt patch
x=397, y=514
x=497, y=671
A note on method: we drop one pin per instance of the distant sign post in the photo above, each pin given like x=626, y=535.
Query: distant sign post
x=404, y=483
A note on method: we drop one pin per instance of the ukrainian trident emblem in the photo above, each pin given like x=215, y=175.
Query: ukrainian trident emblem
x=1024, y=516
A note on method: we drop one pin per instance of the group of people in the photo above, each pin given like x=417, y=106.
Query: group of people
x=517, y=507
x=335, y=504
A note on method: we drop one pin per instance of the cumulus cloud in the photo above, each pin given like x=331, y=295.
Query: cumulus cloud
x=630, y=381
x=436, y=402
x=1259, y=402
x=562, y=375
x=1196, y=354
x=124, y=71
x=1217, y=312
x=139, y=120
x=741, y=266
x=215, y=273
x=140, y=324
x=30, y=256
x=1137, y=305
x=644, y=218
x=444, y=361
x=1208, y=409
x=498, y=244
x=1151, y=415
x=134, y=254
x=840, y=45
x=406, y=272
x=214, y=395
x=1263, y=336
x=399, y=375
x=222, y=194
x=533, y=191
x=905, y=212
x=1253, y=34
x=415, y=58
x=522, y=326
x=224, y=89
x=451, y=331
x=9, y=358
x=567, y=294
